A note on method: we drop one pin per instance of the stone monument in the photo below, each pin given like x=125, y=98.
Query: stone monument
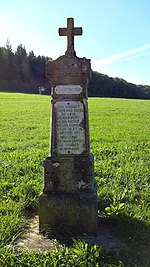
x=69, y=199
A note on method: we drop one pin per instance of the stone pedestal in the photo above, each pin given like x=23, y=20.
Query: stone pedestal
x=68, y=213
x=69, y=199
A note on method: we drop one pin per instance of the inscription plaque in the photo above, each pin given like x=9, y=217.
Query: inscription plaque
x=69, y=127
x=68, y=89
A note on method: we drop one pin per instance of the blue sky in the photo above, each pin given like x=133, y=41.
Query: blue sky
x=116, y=33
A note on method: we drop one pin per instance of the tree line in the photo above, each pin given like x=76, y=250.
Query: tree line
x=24, y=72
x=104, y=86
x=21, y=71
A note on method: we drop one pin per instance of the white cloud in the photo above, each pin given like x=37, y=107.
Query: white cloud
x=96, y=64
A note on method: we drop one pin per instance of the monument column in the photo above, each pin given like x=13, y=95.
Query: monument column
x=69, y=199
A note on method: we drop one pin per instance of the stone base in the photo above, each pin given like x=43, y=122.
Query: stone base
x=69, y=174
x=67, y=213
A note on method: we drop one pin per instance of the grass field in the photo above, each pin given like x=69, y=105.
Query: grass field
x=120, y=142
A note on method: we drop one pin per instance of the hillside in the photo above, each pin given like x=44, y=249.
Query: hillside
x=104, y=86
x=24, y=72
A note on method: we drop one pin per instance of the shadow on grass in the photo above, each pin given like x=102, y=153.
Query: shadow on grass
x=121, y=237
x=134, y=233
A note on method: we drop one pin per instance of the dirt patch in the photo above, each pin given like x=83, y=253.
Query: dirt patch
x=32, y=240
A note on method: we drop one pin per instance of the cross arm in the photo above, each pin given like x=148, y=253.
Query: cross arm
x=62, y=31
x=78, y=31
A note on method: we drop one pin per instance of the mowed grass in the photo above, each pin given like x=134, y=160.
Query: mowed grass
x=120, y=142
x=24, y=136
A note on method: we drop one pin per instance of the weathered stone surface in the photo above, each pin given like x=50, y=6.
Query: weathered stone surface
x=69, y=199
x=68, y=69
x=68, y=213
x=72, y=174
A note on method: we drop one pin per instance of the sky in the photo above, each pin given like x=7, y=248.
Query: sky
x=116, y=33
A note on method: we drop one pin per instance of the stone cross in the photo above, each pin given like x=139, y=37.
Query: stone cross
x=70, y=32
x=68, y=203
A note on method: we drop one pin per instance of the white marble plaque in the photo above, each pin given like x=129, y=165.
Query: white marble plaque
x=68, y=89
x=69, y=127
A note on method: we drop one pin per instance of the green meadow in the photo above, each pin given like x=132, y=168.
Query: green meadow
x=120, y=142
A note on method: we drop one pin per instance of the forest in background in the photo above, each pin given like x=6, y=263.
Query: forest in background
x=25, y=72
